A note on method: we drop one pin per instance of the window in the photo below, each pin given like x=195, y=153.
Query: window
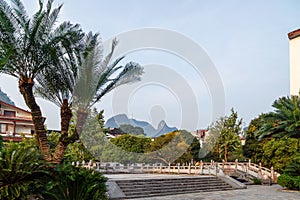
x=9, y=113
x=2, y=128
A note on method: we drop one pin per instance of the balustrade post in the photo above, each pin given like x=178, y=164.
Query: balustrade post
x=189, y=168
x=142, y=168
x=223, y=162
x=169, y=167
x=77, y=164
x=83, y=163
x=201, y=167
x=160, y=168
x=178, y=168
x=272, y=173
x=259, y=171
x=90, y=164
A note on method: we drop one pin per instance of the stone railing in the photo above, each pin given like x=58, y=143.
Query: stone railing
x=203, y=168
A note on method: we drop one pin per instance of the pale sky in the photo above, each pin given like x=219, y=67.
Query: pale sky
x=246, y=40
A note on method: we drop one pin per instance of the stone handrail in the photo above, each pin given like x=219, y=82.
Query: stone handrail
x=208, y=168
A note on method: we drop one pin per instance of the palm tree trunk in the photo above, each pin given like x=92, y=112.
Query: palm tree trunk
x=26, y=88
x=81, y=119
x=64, y=140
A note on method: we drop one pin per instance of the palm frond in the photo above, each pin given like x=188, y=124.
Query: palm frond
x=20, y=12
x=130, y=73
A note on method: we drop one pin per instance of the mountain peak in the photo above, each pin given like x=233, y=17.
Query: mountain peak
x=161, y=124
x=5, y=98
x=149, y=130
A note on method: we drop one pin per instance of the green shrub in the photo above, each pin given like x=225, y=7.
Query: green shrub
x=297, y=182
x=1, y=142
x=256, y=181
x=21, y=171
x=73, y=183
x=286, y=181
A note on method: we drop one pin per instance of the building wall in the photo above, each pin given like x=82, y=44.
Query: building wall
x=19, y=113
x=17, y=124
x=295, y=66
x=23, y=129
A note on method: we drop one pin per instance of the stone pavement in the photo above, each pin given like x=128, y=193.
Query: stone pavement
x=253, y=192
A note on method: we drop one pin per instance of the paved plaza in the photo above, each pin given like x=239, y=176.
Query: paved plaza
x=253, y=192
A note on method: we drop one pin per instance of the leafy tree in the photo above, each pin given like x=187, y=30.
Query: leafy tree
x=293, y=169
x=169, y=147
x=253, y=148
x=223, y=138
x=291, y=174
x=30, y=45
x=192, y=153
x=93, y=136
x=279, y=153
x=127, y=128
x=74, y=152
x=132, y=143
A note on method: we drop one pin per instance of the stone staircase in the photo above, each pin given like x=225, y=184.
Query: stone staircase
x=168, y=186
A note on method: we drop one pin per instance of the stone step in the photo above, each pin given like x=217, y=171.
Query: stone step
x=168, y=181
x=167, y=193
x=155, y=185
x=174, y=190
x=161, y=187
x=204, y=179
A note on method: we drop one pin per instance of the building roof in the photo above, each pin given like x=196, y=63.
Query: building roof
x=15, y=107
x=294, y=34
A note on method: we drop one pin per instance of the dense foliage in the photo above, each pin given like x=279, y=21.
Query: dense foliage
x=253, y=149
x=273, y=139
x=127, y=128
x=72, y=183
x=223, y=140
x=22, y=171
x=1, y=142
x=24, y=174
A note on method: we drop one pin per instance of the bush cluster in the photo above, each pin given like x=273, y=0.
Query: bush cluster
x=25, y=175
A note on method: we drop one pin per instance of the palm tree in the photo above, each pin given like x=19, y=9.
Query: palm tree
x=30, y=45
x=81, y=88
x=98, y=76
x=284, y=121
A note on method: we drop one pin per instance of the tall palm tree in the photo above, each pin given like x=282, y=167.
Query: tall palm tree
x=284, y=121
x=30, y=45
x=81, y=88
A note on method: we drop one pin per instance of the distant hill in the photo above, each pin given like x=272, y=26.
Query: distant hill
x=5, y=98
x=149, y=130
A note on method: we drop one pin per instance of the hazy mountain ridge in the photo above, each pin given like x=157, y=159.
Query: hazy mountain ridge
x=116, y=121
x=5, y=98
